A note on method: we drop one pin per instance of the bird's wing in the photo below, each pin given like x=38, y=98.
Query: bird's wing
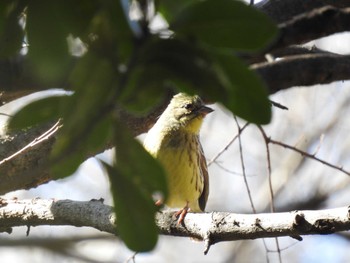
x=202, y=201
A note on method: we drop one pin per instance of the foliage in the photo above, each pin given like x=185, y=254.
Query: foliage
x=127, y=66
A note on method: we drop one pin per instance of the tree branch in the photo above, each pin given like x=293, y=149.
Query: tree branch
x=211, y=227
x=283, y=10
x=310, y=26
x=310, y=69
x=24, y=157
x=304, y=28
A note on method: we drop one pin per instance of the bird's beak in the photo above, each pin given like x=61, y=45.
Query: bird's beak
x=204, y=110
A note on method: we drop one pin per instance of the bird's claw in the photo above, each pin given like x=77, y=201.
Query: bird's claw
x=180, y=215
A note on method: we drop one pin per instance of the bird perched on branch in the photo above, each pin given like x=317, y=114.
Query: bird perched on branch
x=174, y=141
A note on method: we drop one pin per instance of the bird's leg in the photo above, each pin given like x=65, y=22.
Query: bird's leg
x=159, y=202
x=180, y=215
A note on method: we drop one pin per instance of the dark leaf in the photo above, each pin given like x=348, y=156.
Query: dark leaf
x=169, y=62
x=135, y=212
x=192, y=69
x=94, y=82
x=96, y=140
x=11, y=32
x=248, y=97
x=47, y=38
x=169, y=8
x=135, y=177
x=76, y=15
x=137, y=164
x=40, y=111
x=225, y=23
x=110, y=33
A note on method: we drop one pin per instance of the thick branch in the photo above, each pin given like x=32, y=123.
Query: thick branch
x=211, y=227
x=283, y=10
x=311, y=26
x=303, y=70
x=37, y=212
x=302, y=29
x=24, y=157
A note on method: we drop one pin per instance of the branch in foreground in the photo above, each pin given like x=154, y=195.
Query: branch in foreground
x=211, y=227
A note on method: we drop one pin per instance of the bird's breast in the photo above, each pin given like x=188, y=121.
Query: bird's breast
x=180, y=158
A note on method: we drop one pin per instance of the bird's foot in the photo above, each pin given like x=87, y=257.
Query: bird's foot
x=159, y=202
x=180, y=215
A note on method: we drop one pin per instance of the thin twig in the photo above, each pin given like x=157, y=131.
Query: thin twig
x=269, y=172
x=311, y=156
x=278, y=105
x=228, y=145
x=5, y=114
x=37, y=140
x=230, y=171
x=242, y=164
x=132, y=258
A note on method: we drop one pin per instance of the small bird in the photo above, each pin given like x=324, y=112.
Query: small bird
x=174, y=141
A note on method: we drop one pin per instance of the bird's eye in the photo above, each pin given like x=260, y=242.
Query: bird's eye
x=188, y=106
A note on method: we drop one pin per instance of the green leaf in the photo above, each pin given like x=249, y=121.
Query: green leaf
x=94, y=82
x=122, y=31
x=165, y=62
x=40, y=111
x=137, y=164
x=75, y=16
x=225, y=24
x=100, y=134
x=248, y=97
x=11, y=32
x=192, y=69
x=67, y=166
x=111, y=33
x=135, y=213
x=135, y=177
x=170, y=8
x=47, y=38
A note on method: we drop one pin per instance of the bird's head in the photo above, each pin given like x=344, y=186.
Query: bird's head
x=188, y=111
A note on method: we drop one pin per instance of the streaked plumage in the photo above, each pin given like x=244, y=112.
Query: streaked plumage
x=174, y=141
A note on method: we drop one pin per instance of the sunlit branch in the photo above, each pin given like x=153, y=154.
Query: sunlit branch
x=214, y=227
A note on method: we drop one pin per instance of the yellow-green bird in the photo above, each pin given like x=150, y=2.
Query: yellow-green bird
x=174, y=141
